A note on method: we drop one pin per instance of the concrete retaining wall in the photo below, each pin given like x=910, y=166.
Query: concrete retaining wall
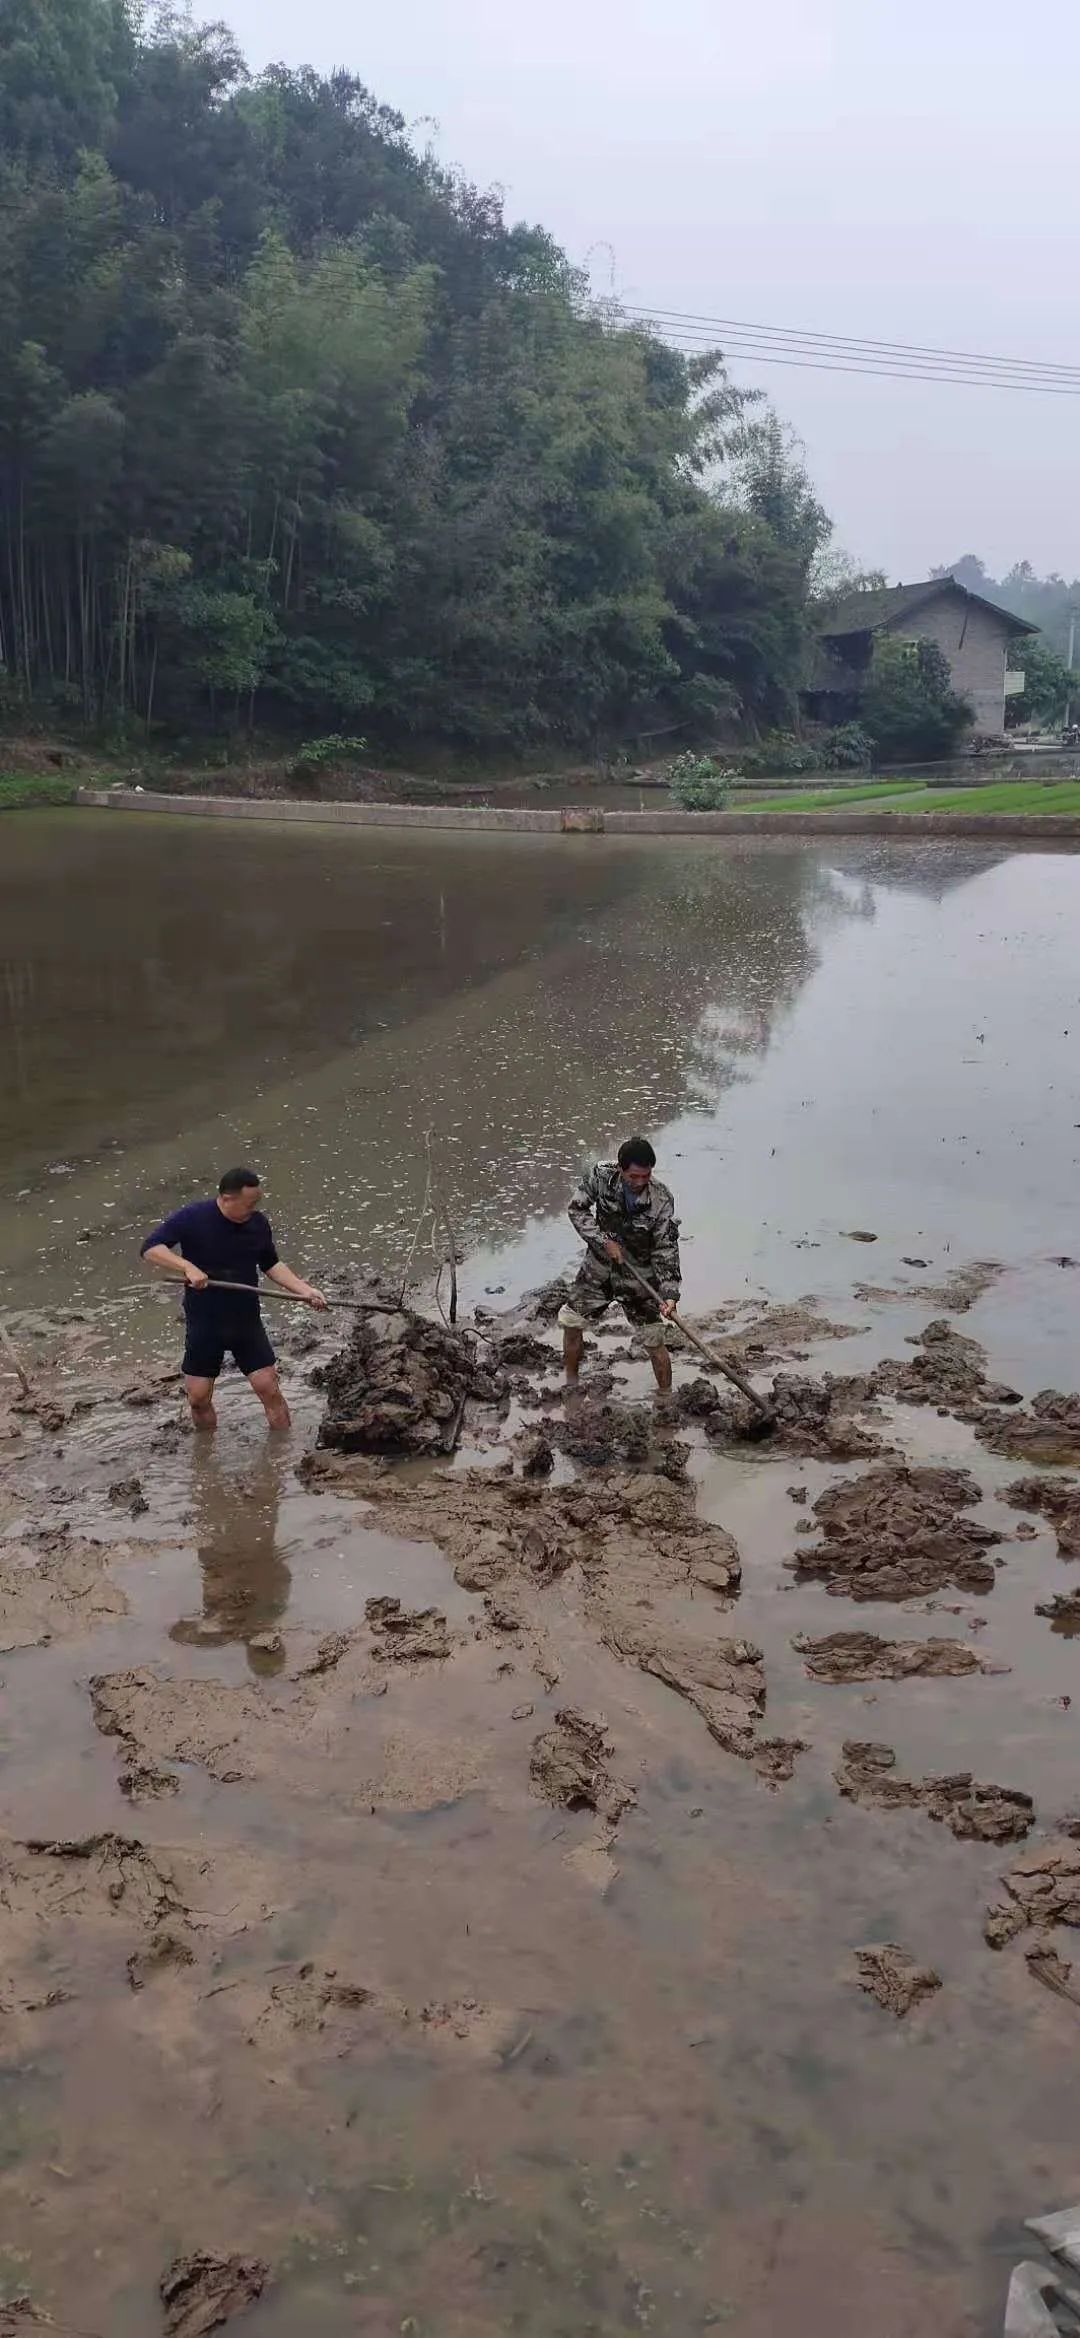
x=856, y=820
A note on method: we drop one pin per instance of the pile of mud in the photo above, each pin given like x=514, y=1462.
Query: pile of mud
x=569, y=1766
x=1042, y=1890
x=948, y=1370
x=401, y=1386
x=724, y=1680
x=862, y=1656
x=890, y=1975
x=897, y=1533
x=1057, y=1501
x=1049, y=1431
x=817, y=1416
x=973, y=1813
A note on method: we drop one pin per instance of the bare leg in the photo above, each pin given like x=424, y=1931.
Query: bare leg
x=267, y=1388
x=573, y=1348
x=200, y=1396
x=661, y=1364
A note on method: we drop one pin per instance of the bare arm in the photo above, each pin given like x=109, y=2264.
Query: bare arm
x=159, y=1254
x=285, y=1279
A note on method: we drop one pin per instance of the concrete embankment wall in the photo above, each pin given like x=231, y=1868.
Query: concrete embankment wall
x=856, y=820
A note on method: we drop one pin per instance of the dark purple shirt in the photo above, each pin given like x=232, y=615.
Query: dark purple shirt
x=228, y=1253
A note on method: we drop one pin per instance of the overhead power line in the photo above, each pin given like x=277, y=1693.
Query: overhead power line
x=844, y=353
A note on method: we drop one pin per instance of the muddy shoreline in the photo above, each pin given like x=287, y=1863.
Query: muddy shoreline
x=483, y=1684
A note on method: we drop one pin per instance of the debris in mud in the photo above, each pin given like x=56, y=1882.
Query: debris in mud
x=52, y=1585
x=972, y=1812
x=895, y=1533
x=569, y=1766
x=1043, y=1890
x=1055, y=1972
x=401, y=1386
x=202, y=2291
x=1049, y=1431
x=893, y=1977
x=857, y=1234
x=535, y=1454
x=405, y=1635
x=860, y=1656
x=1057, y=1501
x=164, y=1951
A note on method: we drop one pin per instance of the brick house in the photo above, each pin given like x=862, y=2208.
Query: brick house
x=975, y=635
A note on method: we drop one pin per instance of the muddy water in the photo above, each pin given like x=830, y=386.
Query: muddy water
x=647, y=2093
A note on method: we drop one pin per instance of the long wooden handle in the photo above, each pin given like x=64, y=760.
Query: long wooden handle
x=718, y=1363
x=273, y=1291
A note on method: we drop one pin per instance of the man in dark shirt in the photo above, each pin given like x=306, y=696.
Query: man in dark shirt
x=227, y=1240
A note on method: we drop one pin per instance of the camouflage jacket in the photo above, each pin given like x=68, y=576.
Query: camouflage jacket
x=650, y=1235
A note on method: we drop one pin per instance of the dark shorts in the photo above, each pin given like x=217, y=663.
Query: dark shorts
x=208, y=1344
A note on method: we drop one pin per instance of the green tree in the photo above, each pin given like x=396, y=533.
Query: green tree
x=1049, y=685
x=909, y=708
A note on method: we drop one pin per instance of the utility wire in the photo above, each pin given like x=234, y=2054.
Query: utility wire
x=825, y=354
x=855, y=344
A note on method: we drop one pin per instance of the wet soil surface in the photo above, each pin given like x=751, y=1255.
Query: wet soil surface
x=201, y=1924
x=428, y=1898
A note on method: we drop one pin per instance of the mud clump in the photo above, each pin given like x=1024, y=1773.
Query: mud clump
x=949, y=1371
x=862, y=1656
x=973, y=1813
x=1063, y=1608
x=569, y=1766
x=637, y=1530
x=896, y=1533
x=817, y=1416
x=401, y=1386
x=1060, y=1503
x=1048, y=1432
x=201, y=2292
x=890, y=1975
x=535, y=1454
x=406, y=1635
x=21, y=2315
x=603, y=1435
x=1042, y=1890
x=724, y=1681
x=1054, y=1971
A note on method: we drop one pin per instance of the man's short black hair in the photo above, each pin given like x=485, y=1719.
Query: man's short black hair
x=239, y=1180
x=637, y=1153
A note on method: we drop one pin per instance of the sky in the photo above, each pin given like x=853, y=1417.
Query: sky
x=901, y=173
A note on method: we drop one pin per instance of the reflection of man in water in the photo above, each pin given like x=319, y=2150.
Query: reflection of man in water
x=246, y=1580
x=227, y=1240
x=622, y=1211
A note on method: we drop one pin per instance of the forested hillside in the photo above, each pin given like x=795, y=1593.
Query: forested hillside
x=296, y=431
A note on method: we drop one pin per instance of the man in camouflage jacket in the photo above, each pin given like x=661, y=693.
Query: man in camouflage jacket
x=622, y=1211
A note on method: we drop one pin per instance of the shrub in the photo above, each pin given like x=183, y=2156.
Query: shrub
x=909, y=707
x=316, y=754
x=697, y=784
x=847, y=748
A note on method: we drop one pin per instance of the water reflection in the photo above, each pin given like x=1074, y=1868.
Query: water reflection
x=246, y=1580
